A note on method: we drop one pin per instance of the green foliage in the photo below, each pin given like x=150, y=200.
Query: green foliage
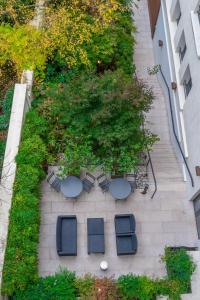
x=171, y=288
x=2, y=151
x=16, y=11
x=61, y=286
x=85, y=287
x=32, y=151
x=23, y=46
x=64, y=285
x=100, y=120
x=136, y=287
x=75, y=35
x=6, y=105
x=21, y=263
x=78, y=155
x=180, y=267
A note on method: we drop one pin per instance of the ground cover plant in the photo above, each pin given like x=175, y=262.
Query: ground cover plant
x=5, y=110
x=65, y=285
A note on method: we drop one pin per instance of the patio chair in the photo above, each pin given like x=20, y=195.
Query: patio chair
x=66, y=236
x=54, y=182
x=126, y=239
x=88, y=182
x=95, y=231
x=131, y=179
x=103, y=182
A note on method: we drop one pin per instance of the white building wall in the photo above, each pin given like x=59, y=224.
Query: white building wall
x=186, y=109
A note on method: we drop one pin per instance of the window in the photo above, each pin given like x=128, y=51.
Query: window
x=178, y=18
x=198, y=13
x=187, y=82
x=197, y=213
x=177, y=12
x=182, y=52
x=182, y=47
x=187, y=86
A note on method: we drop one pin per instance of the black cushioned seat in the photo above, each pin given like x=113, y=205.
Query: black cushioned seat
x=95, y=231
x=66, y=236
x=126, y=240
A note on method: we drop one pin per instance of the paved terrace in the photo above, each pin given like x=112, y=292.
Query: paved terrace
x=168, y=219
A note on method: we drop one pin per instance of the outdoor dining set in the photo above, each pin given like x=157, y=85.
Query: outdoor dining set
x=120, y=188
x=72, y=186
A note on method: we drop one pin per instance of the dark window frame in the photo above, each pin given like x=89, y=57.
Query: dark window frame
x=182, y=52
x=178, y=18
x=187, y=86
x=197, y=213
x=198, y=13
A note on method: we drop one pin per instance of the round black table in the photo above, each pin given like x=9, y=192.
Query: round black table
x=120, y=188
x=71, y=187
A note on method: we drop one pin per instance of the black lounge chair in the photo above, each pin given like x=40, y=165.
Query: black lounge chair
x=66, y=236
x=88, y=182
x=126, y=240
x=103, y=182
x=96, y=240
x=54, y=182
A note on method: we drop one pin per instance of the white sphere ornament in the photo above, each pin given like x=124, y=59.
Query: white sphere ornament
x=104, y=265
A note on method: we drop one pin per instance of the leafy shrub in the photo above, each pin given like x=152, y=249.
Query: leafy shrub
x=180, y=267
x=168, y=287
x=2, y=149
x=105, y=289
x=60, y=286
x=75, y=35
x=85, y=287
x=21, y=262
x=32, y=151
x=23, y=46
x=16, y=11
x=6, y=105
x=136, y=287
x=101, y=121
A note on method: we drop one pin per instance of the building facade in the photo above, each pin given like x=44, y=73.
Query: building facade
x=175, y=26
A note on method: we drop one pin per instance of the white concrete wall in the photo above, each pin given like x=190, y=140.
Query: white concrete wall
x=187, y=109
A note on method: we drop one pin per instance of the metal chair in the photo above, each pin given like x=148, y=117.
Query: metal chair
x=88, y=182
x=103, y=182
x=54, y=182
x=132, y=180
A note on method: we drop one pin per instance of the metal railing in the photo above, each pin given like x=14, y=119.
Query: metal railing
x=173, y=126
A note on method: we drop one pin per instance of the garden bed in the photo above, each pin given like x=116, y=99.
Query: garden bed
x=6, y=105
x=65, y=285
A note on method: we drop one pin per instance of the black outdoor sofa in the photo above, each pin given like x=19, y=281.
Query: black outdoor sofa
x=66, y=236
x=95, y=232
x=126, y=240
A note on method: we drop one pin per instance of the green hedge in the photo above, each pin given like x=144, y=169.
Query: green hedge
x=6, y=105
x=58, y=287
x=65, y=286
x=180, y=267
x=21, y=263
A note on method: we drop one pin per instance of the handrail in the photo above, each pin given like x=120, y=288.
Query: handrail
x=173, y=126
x=153, y=173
